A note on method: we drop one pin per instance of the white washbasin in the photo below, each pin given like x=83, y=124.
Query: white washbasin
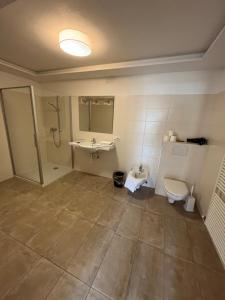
x=93, y=147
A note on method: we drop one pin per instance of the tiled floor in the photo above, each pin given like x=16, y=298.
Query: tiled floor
x=81, y=238
x=51, y=172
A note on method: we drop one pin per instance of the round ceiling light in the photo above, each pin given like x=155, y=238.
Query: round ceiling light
x=74, y=42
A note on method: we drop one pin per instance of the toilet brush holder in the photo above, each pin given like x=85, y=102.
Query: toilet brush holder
x=189, y=204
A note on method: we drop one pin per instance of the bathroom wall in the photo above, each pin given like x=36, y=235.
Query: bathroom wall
x=145, y=108
x=214, y=127
x=140, y=123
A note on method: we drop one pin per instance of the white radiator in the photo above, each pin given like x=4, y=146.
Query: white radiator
x=215, y=219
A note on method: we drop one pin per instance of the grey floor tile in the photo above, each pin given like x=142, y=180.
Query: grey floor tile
x=113, y=275
x=157, y=204
x=38, y=283
x=212, y=284
x=87, y=261
x=130, y=224
x=69, y=288
x=112, y=215
x=94, y=295
x=180, y=281
x=140, y=197
x=152, y=230
x=146, y=280
x=177, y=239
x=204, y=252
x=119, y=194
x=59, y=222
x=66, y=247
x=45, y=238
x=15, y=267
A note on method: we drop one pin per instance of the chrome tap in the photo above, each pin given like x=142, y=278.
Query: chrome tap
x=140, y=168
x=93, y=141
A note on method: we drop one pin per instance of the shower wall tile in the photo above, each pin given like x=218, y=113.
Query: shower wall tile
x=47, y=118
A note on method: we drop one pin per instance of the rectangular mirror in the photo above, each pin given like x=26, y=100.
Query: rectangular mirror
x=96, y=114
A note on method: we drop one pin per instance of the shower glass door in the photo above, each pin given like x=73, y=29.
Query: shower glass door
x=55, y=133
x=20, y=121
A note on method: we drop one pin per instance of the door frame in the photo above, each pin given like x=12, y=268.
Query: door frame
x=35, y=127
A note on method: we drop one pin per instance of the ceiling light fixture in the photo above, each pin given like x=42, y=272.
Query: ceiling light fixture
x=74, y=42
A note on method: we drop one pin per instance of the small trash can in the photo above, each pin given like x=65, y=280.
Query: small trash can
x=118, y=179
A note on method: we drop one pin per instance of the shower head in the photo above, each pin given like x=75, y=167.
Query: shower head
x=54, y=106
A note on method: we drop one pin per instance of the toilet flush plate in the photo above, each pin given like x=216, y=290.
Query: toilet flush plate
x=180, y=150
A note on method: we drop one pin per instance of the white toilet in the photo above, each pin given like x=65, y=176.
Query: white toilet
x=176, y=190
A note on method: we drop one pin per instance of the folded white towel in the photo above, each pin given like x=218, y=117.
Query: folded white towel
x=133, y=183
x=106, y=142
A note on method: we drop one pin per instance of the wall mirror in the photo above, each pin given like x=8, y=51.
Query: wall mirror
x=96, y=113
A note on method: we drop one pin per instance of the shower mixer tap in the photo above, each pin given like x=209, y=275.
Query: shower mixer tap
x=54, y=130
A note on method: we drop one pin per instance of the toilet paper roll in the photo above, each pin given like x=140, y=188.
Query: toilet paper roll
x=166, y=138
x=173, y=138
x=170, y=133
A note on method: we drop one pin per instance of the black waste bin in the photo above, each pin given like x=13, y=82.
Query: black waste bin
x=118, y=178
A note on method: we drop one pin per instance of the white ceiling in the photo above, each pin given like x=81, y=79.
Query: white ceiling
x=132, y=31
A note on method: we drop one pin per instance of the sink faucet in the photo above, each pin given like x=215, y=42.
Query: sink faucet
x=140, y=168
x=93, y=141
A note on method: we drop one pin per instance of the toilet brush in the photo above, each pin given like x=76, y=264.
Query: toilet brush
x=192, y=190
x=190, y=201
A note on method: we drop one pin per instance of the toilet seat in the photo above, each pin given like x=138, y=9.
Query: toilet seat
x=175, y=187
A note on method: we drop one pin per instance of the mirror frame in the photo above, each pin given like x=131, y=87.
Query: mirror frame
x=89, y=98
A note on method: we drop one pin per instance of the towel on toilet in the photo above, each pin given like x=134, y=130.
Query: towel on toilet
x=132, y=183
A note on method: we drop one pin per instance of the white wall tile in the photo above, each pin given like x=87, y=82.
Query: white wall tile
x=142, y=121
x=155, y=127
x=184, y=130
x=184, y=115
x=157, y=101
x=135, y=127
x=154, y=140
x=150, y=152
x=156, y=115
x=134, y=138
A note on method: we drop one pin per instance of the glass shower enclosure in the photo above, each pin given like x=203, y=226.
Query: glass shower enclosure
x=38, y=131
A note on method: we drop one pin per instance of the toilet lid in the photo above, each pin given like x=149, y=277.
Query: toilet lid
x=178, y=188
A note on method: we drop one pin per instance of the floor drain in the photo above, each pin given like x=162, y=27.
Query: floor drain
x=55, y=168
